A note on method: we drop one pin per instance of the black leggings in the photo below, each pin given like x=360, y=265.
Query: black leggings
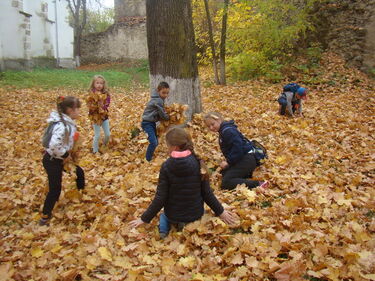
x=239, y=172
x=54, y=168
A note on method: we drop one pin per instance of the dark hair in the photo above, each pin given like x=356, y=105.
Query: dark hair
x=177, y=136
x=63, y=103
x=163, y=85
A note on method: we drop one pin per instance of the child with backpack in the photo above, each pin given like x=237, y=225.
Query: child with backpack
x=98, y=102
x=290, y=100
x=240, y=154
x=182, y=189
x=154, y=112
x=58, y=141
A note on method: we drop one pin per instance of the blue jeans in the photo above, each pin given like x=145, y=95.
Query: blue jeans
x=105, y=126
x=150, y=129
x=164, y=224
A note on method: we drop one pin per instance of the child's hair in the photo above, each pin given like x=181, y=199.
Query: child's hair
x=177, y=136
x=213, y=115
x=163, y=85
x=104, y=90
x=63, y=103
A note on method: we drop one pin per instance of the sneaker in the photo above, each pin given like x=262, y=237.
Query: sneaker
x=44, y=220
x=263, y=185
x=180, y=226
x=163, y=235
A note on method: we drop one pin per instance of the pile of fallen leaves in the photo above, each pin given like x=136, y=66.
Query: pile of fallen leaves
x=316, y=223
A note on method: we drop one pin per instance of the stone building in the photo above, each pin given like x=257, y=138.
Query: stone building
x=125, y=39
x=35, y=33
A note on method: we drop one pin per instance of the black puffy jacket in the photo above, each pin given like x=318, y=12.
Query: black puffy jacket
x=181, y=192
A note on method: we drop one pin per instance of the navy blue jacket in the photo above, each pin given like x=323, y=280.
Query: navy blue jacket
x=232, y=143
x=182, y=192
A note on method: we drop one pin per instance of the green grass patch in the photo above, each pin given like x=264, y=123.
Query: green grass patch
x=70, y=78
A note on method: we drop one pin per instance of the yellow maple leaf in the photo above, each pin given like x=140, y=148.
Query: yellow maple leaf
x=105, y=253
x=187, y=262
x=36, y=252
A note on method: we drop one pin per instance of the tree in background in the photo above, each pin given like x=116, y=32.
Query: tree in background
x=83, y=20
x=78, y=9
x=98, y=20
x=260, y=34
x=172, y=52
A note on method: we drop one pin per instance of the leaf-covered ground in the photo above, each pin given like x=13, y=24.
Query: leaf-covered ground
x=316, y=223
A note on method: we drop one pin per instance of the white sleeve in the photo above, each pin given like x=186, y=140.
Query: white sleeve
x=56, y=144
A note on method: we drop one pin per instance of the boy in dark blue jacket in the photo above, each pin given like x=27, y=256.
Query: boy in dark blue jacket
x=240, y=160
x=154, y=112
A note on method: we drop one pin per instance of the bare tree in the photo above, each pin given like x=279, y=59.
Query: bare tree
x=78, y=8
x=222, y=43
x=172, y=52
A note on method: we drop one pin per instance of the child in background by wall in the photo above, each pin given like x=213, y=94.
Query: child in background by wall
x=182, y=189
x=58, y=151
x=98, y=102
x=290, y=100
x=154, y=112
x=240, y=161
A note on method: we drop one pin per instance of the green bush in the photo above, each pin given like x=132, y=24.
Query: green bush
x=254, y=64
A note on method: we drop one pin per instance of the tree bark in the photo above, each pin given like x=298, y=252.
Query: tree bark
x=212, y=43
x=172, y=51
x=79, y=22
x=223, y=80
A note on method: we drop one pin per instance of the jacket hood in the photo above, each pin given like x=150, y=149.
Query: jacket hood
x=182, y=167
x=155, y=95
x=55, y=117
x=227, y=124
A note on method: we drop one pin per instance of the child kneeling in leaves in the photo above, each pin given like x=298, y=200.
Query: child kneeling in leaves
x=182, y=189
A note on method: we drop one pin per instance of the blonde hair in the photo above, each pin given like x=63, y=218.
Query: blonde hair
x=214, y=115
x=177, y=136
x=104, y=90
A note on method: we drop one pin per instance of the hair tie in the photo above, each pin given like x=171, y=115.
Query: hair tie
x=61, y=98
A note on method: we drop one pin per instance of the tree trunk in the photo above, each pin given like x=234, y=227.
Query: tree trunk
x=212, y=43
x=172, y=53
x=222, y=43
x=79, y=23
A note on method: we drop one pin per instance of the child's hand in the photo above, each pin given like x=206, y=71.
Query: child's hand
x=136, y=223
x=67, y=159
x=228, y=217
x=224, y=164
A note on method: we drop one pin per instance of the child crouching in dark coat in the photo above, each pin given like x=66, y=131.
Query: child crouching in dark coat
x=182, y=189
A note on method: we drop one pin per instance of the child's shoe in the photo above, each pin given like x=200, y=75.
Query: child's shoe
x=163, y=235
x=180, y=226
x=263, y=185
x=44, y=220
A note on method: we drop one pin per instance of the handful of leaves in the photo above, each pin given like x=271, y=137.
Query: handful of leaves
x=70, y=164
x=95, y=102
x=176, y=114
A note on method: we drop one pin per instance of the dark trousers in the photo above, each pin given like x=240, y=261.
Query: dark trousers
x=54, y=168
x=150, y=129
x=239, y=172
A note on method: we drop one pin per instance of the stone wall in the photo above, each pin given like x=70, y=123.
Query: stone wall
x=126, y=39
x=120, y=42
x=347, y=27
x=129, y=8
